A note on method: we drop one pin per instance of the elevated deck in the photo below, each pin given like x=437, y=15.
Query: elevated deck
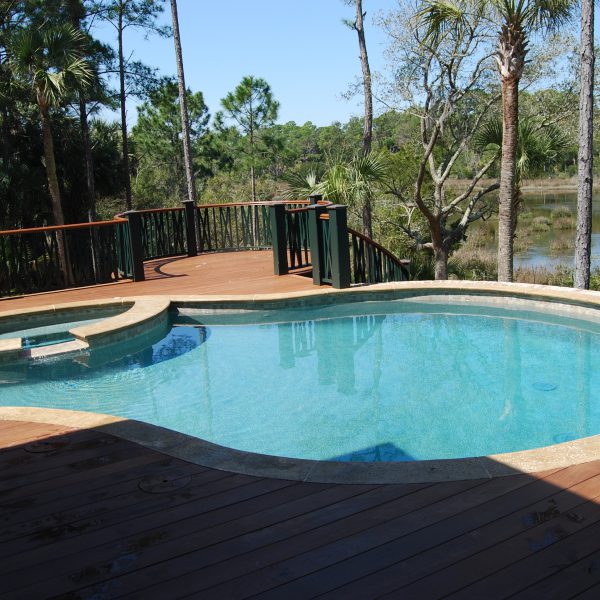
x=249, y=272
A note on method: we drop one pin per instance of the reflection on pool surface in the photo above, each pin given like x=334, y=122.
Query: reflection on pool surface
x=396, y=382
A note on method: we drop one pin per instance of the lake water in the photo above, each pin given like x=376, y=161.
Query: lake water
x=539, y=254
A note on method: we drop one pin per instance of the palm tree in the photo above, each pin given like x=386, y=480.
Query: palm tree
x=583, y=239
x=49, y=62
x=518, y=20
x=537, y=149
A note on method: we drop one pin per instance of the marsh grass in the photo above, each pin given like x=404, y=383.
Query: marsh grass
x=562, y=243
x=563, y=223
x=540, y=224
x=561, y=212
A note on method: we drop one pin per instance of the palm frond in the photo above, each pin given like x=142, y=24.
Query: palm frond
x=439, y=16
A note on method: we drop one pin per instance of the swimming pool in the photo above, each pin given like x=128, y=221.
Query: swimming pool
x=402, y=380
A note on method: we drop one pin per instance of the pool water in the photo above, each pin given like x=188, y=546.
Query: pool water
x=47, y=335
x=390, y=383
x=48, y=329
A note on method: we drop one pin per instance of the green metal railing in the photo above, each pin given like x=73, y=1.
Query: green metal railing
x=232, y=227
x=339, y=255
x=163, y=232
x=33, y=260
x=298, y=241
x=371, y=263
x=302, y=234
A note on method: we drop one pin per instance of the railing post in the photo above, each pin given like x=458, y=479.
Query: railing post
x=340, y=252
x=279, y=239
x=315, y=198
x=315, y=237
x=135, y=243
x=190, y=227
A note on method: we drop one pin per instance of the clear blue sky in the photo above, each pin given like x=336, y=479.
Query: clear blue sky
x=301, y=47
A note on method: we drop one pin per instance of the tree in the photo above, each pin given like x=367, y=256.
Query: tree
x=251, y=107
x=358, y=26
x=583, y=239
x=122, y=15
x=519, y=20
x=97, y=54
x=185, y=125
x=539, y=147
x=160, y=173
x=49, y=61
x=445, y=80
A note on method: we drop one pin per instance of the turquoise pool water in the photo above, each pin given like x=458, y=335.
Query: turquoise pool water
x=47, y=329
x=389, y=381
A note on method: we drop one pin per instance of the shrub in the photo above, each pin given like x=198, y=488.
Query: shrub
x=540, y=224
x=522, y=241
x=560, y=275
x=563, y=223
x=561, y=212
x=478, y=265
x=561, y=243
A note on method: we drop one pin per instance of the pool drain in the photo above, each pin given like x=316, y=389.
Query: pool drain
x=542, y=386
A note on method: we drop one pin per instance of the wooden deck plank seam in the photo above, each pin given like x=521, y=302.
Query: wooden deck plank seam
x=207, y=548
x=551, y=492
x=528, y=531
x=56, y=544
x=353, y=515
x=357, y=555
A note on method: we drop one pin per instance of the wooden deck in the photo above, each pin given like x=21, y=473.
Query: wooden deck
x=225, y=273
x=87, y=515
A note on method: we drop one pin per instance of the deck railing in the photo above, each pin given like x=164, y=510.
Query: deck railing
x=309, y=234
x=338, y=255
x=372, y=263
x=47, y=258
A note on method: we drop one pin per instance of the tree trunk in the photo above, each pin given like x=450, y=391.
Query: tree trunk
x=440, y=257
x=367, y=218
x=253, y=182
x=583, y=237
x=367, y=211
x=88, y=158
x=252, y=171
x=54, y=189
x=77, y=12
x=125, y=144
x=185, y=123
x=510, y=124
x=366, y=71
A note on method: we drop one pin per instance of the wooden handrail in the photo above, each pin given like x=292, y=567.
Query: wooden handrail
x=266, y=203
x=160, y=210
x=63, y=227
x=393, y=257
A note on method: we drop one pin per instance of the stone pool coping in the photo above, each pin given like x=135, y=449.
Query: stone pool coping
x=212, y=455
x=207, y=454
x=142, y=314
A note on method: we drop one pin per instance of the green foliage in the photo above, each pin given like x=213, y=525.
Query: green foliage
x=159, y=171
x=539, y=146
x=49, y=61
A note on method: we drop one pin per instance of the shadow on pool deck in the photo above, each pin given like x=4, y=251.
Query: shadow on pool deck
x=87, y=514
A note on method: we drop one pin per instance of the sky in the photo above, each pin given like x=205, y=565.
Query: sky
x=301, y=47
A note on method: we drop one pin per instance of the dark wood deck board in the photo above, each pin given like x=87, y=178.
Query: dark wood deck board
x=409, y=558
x=364, y=556
x=80, y=521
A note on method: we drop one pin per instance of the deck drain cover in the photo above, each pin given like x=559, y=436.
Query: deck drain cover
x=51, y=445
x=542, y=386
x=161, y=484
